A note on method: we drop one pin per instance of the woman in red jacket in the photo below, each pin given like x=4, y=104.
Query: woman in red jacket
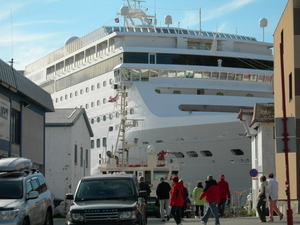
x=176, y=199
x=212, y=194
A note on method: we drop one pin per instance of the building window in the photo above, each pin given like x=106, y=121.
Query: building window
x=290, y=86
x=98, y=143
x=81, y=156
x=75, y=154
x=92, y=143
x=15, y=127
x=86, y=158
x=104, y=142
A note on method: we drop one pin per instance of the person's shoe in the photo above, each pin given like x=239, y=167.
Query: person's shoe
x=168, y=218
x=197, y=217
x=280, y=216
x=263, y=221
x=179, y=224
x=202, y=222
x=269, y=220
x=163, y=220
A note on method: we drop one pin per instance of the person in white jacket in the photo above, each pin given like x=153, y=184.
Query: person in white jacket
x=273, y=196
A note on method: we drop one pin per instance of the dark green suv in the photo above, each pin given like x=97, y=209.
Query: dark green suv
x=107, y=199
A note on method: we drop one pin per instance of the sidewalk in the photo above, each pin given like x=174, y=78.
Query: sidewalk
x=227, y=221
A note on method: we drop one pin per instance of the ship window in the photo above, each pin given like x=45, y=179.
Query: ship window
x=189, y=74
x=153, y=73
x=126, y=74
x=206, y=153
x=110, y=129
x=104, y=100
x=172, y=31
x=98, y=119
x=253, y=78
x=56, y=100
x=246, y=77
x=81, y=91
x=135, y=75
x=159, y=174
x=117, y=115
x=144, y=75
x=104, y=118
x=237, y=152
x=145, y=142
x=98, y=85
x=66, y=97
x=104, y=83
x=180, y=74
x=157, y=91
x=92, y=145
x=87, y=90
x=98, y=143
x=231, y=161
x=223, y=76
x=92, y=104
x=71, y=95
x=197, y=138
x=98, y=102
x=213, y=162
x=76, y=93
x=61, y=98
x=176, y=92
x=165, y=30
x=159, y=141
x=172, y=73
x=238, y=76
x=268, y=79
x=215, y=75
x=179, y=139
x=110, y=81
x=163, y=73
x=104, y=142
x=261, y=78
x=131, y=111
x=198, y=74
x=192, y=154
x=86, y=106
x=230, y=76
x=110, y=116
x=206, y=75
x=92, y=121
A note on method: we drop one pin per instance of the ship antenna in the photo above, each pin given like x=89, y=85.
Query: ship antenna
x=12, y=41
x=200, y=21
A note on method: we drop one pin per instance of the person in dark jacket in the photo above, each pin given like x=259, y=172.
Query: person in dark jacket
x=225, y=194
x=162, y=193
x=212, y=194
x=185, y=198
x=176, y=199
x=143, y=185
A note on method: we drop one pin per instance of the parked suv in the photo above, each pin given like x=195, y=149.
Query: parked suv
x=108, y=199
x=24, y=197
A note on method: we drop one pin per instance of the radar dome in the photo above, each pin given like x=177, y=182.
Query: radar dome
x=150, y=149
x=70, y=39
x=124, y=10
x=168, y=20
x=263, y=22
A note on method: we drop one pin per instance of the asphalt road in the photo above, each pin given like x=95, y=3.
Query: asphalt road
x=223, y=221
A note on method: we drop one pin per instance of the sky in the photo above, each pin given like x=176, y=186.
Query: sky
x=31, y=29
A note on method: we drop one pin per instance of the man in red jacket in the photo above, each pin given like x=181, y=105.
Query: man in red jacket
x=212, y=194
x=176, y=199
x=225, y=194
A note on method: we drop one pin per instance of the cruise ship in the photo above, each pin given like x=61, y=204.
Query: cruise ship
x=182, y=91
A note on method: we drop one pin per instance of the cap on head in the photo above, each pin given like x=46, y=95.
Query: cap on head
x=210, y=177
x=174, y=178
x=222, y=176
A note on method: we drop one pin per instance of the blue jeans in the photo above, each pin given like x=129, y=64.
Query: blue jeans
x=211, y=207
x=176, y=213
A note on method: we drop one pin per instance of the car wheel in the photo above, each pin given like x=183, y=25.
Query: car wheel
x=25, y=222
x=49, y=218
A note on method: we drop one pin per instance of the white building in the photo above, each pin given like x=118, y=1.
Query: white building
x=68, y=134
x=259, y=126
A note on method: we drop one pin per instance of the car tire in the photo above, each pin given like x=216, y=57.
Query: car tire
x=25, y=222
x=49, y=218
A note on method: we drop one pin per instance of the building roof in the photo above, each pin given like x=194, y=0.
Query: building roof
x=16, y=82
x=67, y=117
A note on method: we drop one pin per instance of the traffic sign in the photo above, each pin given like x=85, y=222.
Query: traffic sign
x=253, y=172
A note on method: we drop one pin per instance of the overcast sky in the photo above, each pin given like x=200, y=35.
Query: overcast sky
x=31, y=29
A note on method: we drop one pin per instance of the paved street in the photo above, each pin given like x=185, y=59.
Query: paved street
x=223, y=221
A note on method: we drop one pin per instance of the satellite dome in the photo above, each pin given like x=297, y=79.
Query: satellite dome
x=168, y=20
x=124, y=10
x=150, y=149
x=263, y=22
x=70, y=39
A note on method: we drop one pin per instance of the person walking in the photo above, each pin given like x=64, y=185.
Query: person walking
x=225, y=194
x=143, y=185
x=273, y=196
x=162, y=193
x=199, y=204
x=185, y=198
x=212, y=194
x=176, y=199
x=262, y=199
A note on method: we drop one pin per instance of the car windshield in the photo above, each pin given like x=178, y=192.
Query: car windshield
x=105, y=189
x=11, y=190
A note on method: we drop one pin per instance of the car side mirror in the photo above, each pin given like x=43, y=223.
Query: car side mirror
x=32, y=195
x=69, y=196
